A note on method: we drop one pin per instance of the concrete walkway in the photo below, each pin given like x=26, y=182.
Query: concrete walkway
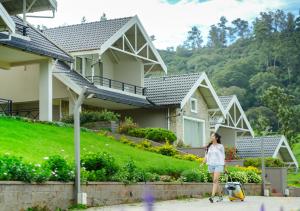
x=251, y=203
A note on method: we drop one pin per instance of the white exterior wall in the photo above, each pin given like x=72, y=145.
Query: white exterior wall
x=20, y=85
x=127, y=70
x=108, y=66
x=23, y=86
x=148, y=117
x=202, y=114
x=228, y=136
x=130, y=71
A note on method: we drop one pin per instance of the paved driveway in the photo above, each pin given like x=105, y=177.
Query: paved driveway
x=251, y=203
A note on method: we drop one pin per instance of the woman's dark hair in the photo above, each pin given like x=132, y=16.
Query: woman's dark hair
x=218, y=137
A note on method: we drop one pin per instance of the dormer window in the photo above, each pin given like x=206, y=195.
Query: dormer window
x=194, y=105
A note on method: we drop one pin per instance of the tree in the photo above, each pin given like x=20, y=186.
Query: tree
x=241, y=28
x=282, y=104
x=262, y=119
x=262, y=81
x=223, y=31
x=194, y=39
x=214, y=40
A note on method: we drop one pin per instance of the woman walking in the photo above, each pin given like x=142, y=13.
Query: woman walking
x=215, y=159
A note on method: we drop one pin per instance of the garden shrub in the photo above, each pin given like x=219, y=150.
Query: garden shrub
x=253, y=177
x=60, y=169
x=130, y=173
x=166, y=178
x=160, y=135
x=13, y=168
x=190, y=157
x=144, y=145
x=127, y=125
x=194, y=175
x=93, y=116
x=138, y=132
x=269, y=162
x=155, y=134
x=94, y=176
x=231, y=153
x=238, y=176
x=249, y=168
x=100, y=163
x=151, y=177
x=167, y=149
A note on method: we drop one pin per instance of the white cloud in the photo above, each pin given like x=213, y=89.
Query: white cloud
x=169, y=23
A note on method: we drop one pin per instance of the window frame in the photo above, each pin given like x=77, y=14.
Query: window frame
x=196, y=105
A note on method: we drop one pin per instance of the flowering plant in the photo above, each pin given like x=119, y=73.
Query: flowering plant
x=231, y=153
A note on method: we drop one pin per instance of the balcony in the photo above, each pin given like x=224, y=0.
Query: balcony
x=5, y=107
x=118, y=85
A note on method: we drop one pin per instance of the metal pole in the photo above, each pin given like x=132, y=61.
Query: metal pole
x=263, y=170
x=24, y=12
x=77, y=142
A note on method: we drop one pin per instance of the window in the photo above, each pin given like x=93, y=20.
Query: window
x=194, y=105
x=194, y=132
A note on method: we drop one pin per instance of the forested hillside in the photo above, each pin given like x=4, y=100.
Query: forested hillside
x=259, y=62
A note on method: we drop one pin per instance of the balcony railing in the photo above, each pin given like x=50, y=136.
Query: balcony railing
x=106, y=82
x=5, y=107
x=32, y=113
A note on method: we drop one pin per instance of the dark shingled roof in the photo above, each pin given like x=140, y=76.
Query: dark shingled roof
x=170, y=90
x=225, y=100
x=249, y=147
x=100, y=93
x=38, y=43
x=86, y=36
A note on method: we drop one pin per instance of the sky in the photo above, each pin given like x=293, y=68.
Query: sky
x=168, y=20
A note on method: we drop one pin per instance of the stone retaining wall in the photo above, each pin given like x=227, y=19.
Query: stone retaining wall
x=294, y=192
x=18, y=195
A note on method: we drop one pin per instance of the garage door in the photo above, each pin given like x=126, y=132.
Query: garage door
x=193, y=133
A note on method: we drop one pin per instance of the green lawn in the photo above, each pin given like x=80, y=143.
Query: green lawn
x=35, y=141
x=293, y=178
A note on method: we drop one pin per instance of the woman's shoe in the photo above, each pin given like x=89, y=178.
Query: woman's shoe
x=211, y=199
x=220, y=198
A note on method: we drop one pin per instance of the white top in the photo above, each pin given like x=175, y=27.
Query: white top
x=215, y=155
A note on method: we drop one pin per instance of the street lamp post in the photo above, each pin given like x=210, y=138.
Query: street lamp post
x=263, y=169
x=80, y=197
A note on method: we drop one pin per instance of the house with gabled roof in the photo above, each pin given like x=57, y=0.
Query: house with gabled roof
x=189, y=106
x=111, y=59
x=27, y=59
x=274, y=146
x=235, y=122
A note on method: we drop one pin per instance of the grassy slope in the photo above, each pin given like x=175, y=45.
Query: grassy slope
x=34, y=141
x=294, y=179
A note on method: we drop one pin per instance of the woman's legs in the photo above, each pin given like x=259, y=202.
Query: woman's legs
x=216, y=188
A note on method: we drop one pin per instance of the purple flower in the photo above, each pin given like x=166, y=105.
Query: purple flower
x=149, y=200
x=262, y=208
